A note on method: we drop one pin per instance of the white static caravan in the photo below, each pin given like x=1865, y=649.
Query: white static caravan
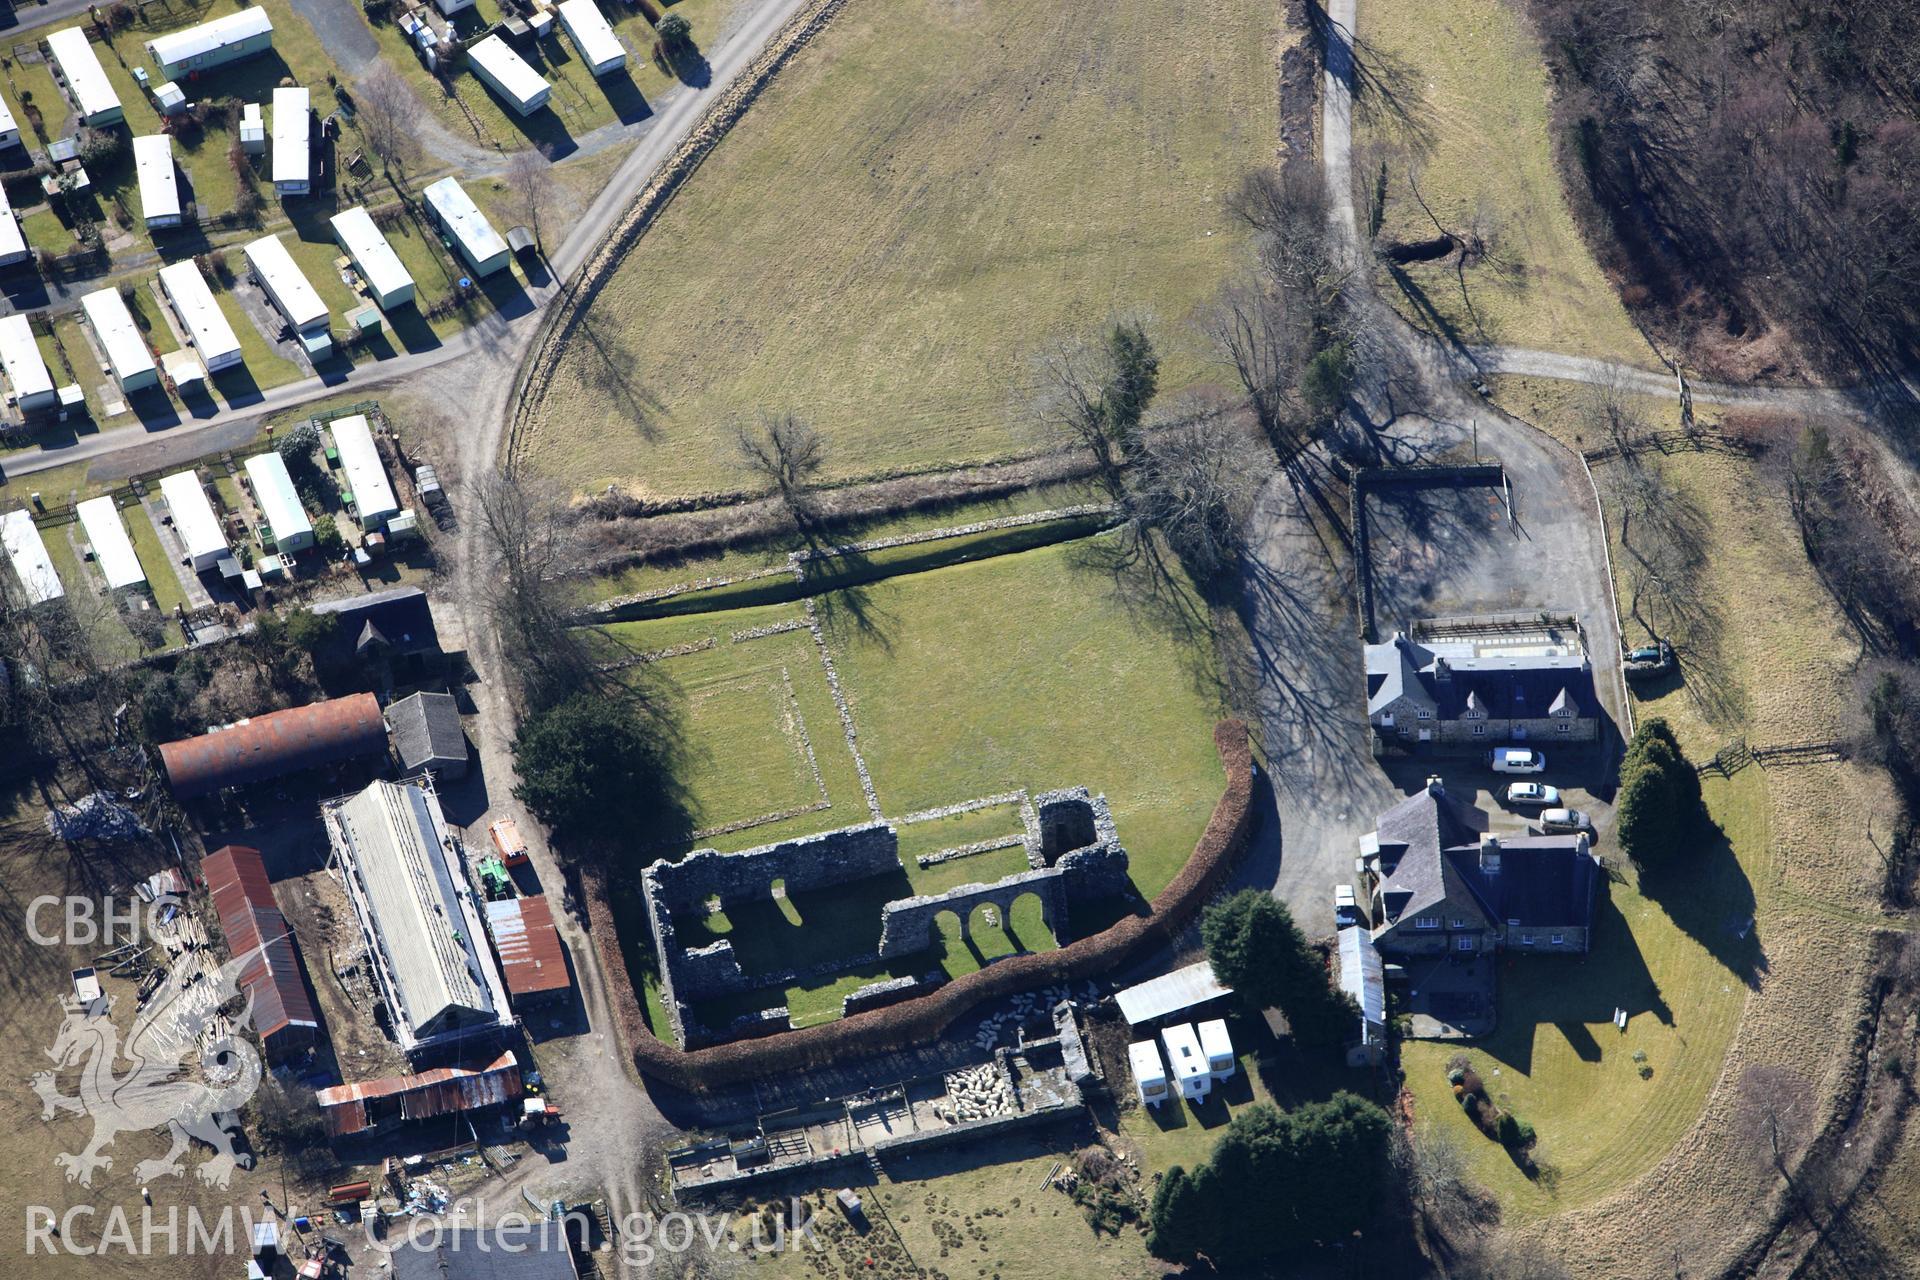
x=253, y=129
x=13, y=241
x=1149, y=1076
x=112, y=548
x=292, y=161
x=159, y=184
x=31, y=563
x=87, y=83
x=281, y=277
x=1189, y=1063
x=27, y=374
x=212, y=44
x=194, y=520
x=485, y=252
x=373, y=501
x=279, y=503
x=1218, y=1046
x=379, y=266
x=451, y=7
x=9, y=130
x=593, y=36
x=114, y=330
x=508, y=75
x=200, y=313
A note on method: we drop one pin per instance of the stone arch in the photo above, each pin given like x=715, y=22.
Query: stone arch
x=947, y=932
x=1031, y=924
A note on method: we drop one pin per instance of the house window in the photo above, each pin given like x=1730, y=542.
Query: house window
x=1426, y=922
x=1526, y=939
x=1466, y=942
x=1479, y=729
x=1559, y=939
x=1564, y=726
x=1423, y=714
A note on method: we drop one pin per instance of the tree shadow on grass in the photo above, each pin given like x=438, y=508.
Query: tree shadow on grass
x=1710, y=899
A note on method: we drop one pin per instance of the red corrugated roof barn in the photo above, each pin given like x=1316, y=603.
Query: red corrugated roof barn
x=355, y=1108
x=529, y=949
x=275, y=744
x=257, y=932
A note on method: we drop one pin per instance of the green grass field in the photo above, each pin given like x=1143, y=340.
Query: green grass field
x=163, y=577
x=926, y=197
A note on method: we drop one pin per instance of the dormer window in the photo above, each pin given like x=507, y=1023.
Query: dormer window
x=1426, y=922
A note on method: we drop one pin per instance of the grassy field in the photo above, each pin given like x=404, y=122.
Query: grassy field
x=915, y=207
x=163, y=576
x=1462, y=95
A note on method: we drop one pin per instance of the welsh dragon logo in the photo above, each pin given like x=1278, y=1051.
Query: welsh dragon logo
x=179, y=1022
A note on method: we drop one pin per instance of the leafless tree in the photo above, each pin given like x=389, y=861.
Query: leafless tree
x=529, y=176
x=1092, y=395
x=787, y=452
x=1193, y=482
x=1253, y=333
x=1289, y=213
x=387, y=115
x=530, y=541
x=1608, y=412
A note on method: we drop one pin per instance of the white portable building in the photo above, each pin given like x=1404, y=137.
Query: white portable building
x=292, y=142
x=200, y=312
x=253, y=129
x=508, y=75
x=373, y=501
x=13, y=241
x=451, y=7
x=26, y=371
x=284, y=282
x=593, y=36
x=159, y=184
x=112, y=548
x=194, y=520
x=1218, y=1046
x=211, y=44
x=279, y=502
x=1188, y=1062
x=468, y=228
x=1149, y=1076
x=87, y=82
x=9, y=129
x=31, y=563
x=379, y=266
x=114, y=330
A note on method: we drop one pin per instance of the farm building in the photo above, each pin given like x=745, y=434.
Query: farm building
x=479, y=244
x=288, y=528
x=593, y=36
x=517, y=84
x=373, y=501
x=87, y=84
x=159, y=185
x=27, y=375
x=537, y=1251
x=1363, y=976
x=9, y=128
x=1180, y=992
x=31, y=564
x=444, y=1091
x=112, y=548
x=119, y=337
x=406, y=877
x=275, y=745
x=292, y=162
x=427, y=735
x=200, y=313
x=379, y=266
x=529, y=948
x=193, y=520
x=13, y=241
x=212, y=44
x=259, y=935
x=295, y=298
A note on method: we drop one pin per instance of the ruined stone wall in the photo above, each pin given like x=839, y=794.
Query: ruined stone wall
x=878, y=995
x=811, y=862
x=909, y=927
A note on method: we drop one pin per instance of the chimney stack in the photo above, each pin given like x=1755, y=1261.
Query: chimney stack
x=1433, y=785
x=1489, y=855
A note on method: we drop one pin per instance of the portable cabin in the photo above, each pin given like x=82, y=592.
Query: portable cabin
x=292, y=161
x=87, y=84
x=127, y=355
x=479, y=244
x=1188, y=1061
x=211, y=44
x=169, y=98
x=159, y=185
x=1149, y=1076
x=593, y=36
x=200, y=313
x=9, y=129
x=1218, y=1046
x=373, y=501
x=253, y=129
x=31, y=563
x=27, y=374
x=13, y=241
x=193, y=520
x=291, y=293
x=273, y=489
x=373, y=257
x=505, y=72
x=451, y=7
x=112, y=548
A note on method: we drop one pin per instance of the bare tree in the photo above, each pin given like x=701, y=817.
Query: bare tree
x=530, y=177
x=1609, y=411
x=387, y=114
x=1192, y=482
x=786, y=451
x=1093, y=394
x=1289, y=212
x=1254, y=335
x=530, y=540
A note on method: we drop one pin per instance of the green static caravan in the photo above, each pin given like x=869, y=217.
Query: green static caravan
x=212, y=44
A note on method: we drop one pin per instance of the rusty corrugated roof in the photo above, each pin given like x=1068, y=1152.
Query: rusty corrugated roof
x=255, y=929
x=441, y=1091
x=528, y=945
x=278, y=743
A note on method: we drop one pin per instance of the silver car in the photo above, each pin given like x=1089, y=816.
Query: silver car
x=1533, y=793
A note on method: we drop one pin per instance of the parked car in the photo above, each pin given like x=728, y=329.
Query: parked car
x=1648, y=661
x=1515, y=760
x=1346, y=911
x=1533, y=793
x=1565, y=820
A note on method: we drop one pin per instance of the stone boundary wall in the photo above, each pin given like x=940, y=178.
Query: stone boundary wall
x=925, y=1018
x=878, y=995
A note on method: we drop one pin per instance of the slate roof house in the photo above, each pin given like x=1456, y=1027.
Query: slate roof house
x=1442, y=884
x=427, y=735
x=1453, y=694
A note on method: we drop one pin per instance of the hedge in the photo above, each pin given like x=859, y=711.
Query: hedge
x=920, y=1020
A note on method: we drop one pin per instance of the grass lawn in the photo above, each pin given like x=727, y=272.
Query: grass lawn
x=163, y=575
x=83, y=585
x=925, y=198
x=96, y=382
x=44, y=230
x=1469, y=103
x=265, y=365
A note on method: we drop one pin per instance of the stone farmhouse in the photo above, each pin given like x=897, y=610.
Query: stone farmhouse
x=1467, y=694
x=1439, y=884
